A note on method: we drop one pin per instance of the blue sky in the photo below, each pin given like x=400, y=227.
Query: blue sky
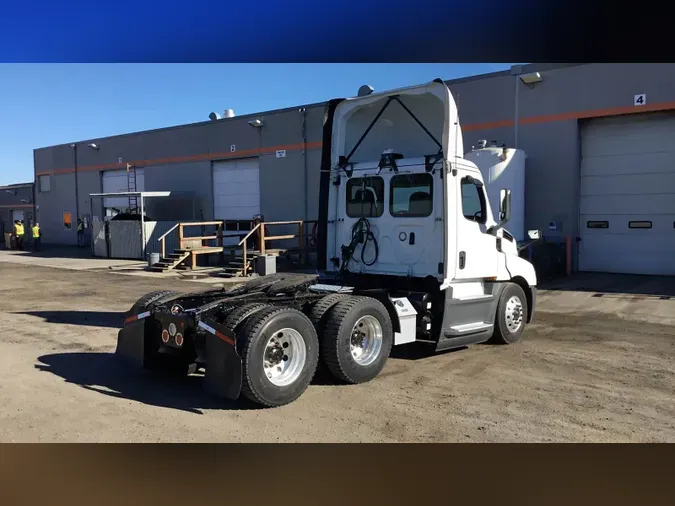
x=47, y=104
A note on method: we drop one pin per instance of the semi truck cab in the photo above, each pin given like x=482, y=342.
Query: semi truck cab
x=408, y=214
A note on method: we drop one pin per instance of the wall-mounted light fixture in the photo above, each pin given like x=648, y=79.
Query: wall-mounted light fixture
x=13, y=192
x=256, y=123
x=531, y=79
x=94, y=146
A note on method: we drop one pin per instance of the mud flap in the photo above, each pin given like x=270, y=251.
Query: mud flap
x=223, y=376
x=131, y=343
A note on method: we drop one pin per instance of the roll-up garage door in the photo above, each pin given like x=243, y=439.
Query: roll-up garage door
x=115, y=181
x=627, y=205
x=236, y=189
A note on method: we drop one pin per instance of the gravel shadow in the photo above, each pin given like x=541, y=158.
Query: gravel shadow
x=106, y=374
x=109, y=319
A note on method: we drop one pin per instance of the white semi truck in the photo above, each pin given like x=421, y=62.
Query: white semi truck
x=409, y=252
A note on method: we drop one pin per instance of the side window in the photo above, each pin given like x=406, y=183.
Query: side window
x=473, y=202
x=44, y=183
x=67, y=220
x=411, y=195
x=365, y=197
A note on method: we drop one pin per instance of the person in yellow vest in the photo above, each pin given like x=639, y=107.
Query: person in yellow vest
x=18, y=232
x=37, y=234
x=80, y=233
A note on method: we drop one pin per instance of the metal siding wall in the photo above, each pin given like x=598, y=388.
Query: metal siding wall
x=98, y=237
x=52, y=206
x=125, y=239
x=193, y=177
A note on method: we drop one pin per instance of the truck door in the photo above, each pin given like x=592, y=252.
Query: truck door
x=477, y=255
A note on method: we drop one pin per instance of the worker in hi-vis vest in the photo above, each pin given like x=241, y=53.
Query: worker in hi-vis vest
x=37, y=234
x=18, y=232
x=80, y=233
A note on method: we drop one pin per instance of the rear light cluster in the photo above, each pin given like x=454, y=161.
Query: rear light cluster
x=173, y=332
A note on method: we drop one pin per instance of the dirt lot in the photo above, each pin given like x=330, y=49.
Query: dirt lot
x=574, y=377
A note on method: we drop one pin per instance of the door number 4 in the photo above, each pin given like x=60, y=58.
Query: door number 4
x=640, y=99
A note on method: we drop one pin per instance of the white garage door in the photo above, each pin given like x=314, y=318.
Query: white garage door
x=115, y=181
x=627, y=214
x=236, y=189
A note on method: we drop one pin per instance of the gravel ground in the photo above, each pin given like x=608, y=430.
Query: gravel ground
x=574, y=377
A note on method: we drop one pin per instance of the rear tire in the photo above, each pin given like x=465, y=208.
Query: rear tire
x=279, y=349
x=511, y=315
x=237, y=317
x=319, y=310
x=357, y=339
x=143, y=303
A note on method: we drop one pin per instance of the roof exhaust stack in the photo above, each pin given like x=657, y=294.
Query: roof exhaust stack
x=214, y=116
x=229, y=113
x=365, y=90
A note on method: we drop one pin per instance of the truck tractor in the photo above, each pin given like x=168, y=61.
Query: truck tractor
x=408, y=252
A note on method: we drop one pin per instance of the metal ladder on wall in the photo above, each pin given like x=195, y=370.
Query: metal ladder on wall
x=131, y=187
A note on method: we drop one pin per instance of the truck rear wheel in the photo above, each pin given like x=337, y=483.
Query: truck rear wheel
x=357, y=339
x=511, y=315
x=279, y=349
x=147, y=299
x=317, y=313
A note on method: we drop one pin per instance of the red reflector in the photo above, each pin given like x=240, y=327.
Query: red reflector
x=130, y=319
x=165, y=336
x=224, y=338
x=179, y=339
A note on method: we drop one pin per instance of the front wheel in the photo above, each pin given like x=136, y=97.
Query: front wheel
x=279, y=349
x=511, y=315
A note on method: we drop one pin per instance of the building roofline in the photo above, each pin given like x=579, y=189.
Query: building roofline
x=187, y=125
x=526, y=68
x=16, y=185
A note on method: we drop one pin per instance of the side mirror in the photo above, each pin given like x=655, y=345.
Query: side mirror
x=504, y=205
x=534, y=234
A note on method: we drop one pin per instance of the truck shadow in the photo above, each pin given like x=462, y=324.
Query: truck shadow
x=104, y=374
x=107, y=319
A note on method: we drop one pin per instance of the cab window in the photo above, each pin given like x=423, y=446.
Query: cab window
x=411, y=195
x=473, y=201
x=365, y=197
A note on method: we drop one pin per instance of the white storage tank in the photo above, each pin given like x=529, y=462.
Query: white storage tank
x=504, y=167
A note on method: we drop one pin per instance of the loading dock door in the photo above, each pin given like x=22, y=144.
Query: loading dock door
x=627, y=205
x=115, y=181
x=236, y=189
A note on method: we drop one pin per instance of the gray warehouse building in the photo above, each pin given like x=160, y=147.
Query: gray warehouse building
x=16, y=203
x=598, y=139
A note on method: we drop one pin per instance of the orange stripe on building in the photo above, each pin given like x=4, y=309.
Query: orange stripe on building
x=507, y=123
x=488, y=126
x=17, y=206
x=566, y=116
x=188, y=158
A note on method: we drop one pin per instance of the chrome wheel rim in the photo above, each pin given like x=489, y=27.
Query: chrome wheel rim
x=514, y=314
x=284, y=357
x=366, y=340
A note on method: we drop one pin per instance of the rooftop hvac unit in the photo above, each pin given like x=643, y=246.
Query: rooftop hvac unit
x=229, y=113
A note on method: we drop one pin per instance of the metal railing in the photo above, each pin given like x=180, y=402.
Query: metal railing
x=303, y=235
x=181, y=234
